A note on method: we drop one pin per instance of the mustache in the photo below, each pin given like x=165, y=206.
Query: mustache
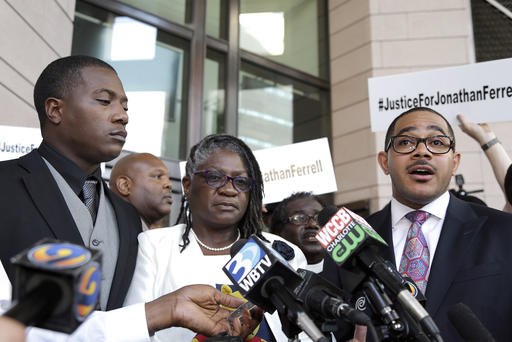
x=421, y=162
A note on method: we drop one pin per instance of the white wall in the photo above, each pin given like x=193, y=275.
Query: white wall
x=33, y=34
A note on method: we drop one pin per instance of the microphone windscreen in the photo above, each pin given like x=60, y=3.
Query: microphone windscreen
x=237, y=246
x=469, y=327
x=325, y=215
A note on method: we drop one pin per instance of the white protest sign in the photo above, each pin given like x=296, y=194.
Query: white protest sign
x=480, y=91
x=18, y=141
x=304, y=166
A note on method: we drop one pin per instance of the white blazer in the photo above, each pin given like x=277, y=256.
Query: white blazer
x=161, y=269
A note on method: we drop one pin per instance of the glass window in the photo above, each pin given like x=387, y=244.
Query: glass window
x=213, y=97
x=151, y=65
x=283, y=110
x=492, y=31
x=175, y=10
x=216, y=18
x=290, y=32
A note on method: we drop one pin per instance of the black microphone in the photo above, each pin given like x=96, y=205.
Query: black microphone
x=383, y=305
x=57, y=285
x=321, y=298
x=324, y=300
x=237, y=246
x=353, y=244
x=469, y=327
x=265, y=278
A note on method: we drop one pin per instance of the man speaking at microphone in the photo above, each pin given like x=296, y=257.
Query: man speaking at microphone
x=455, y=251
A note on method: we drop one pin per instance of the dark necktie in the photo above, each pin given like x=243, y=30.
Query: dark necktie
x=416, y=257
x=89, y=196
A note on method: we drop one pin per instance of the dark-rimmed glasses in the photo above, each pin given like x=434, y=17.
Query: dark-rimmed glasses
x=404, y=144
x=216, y=179
x=301, y=219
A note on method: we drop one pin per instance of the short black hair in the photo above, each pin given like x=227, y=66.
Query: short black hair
x=59, y=78
x=391, y=127
x=280, y=217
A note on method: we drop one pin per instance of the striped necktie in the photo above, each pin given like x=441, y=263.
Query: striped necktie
x=416, y=257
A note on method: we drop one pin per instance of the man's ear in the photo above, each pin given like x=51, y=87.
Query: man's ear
x=124, y=185
x=53, y=108
x=456, y=162
x=382, y=158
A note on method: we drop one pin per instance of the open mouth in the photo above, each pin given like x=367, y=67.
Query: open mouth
x=421, y=172
x=309, y=236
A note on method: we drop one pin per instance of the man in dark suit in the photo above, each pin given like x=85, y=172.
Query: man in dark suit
x=82, y=107
x=464, y=248
x=56, y=191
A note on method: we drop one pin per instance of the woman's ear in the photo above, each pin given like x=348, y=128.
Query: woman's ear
x=185, y=182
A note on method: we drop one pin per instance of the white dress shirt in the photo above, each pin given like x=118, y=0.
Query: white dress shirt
x=431, y=228
x=317, y=268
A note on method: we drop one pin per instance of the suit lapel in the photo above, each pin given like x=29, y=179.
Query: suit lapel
x=381, y=221
x=48, y=199
x=460, y=226
x=128, y=226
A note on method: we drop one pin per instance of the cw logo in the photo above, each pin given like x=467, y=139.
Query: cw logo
x=59, y=255
x=350, y=242
x=88, y=291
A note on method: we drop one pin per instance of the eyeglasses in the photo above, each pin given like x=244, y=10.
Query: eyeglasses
x=300, y=219
x=404, y=144
x=217, y=180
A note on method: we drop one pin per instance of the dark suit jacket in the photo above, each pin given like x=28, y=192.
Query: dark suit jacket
x=472, y=264
x=32, y=208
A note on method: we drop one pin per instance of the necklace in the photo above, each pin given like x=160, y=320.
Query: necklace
x=213, y=249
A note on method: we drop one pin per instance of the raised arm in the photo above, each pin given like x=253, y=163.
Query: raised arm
x=495, y=152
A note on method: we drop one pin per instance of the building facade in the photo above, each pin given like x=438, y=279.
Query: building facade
x=270, y=72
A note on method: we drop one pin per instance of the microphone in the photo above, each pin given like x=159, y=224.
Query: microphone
x=469, y=327
x=237, y=246
x=57, y=285
x=353, y=245
x=324, y=300
x=383, y=305
x=320, y=297
x=265, y=278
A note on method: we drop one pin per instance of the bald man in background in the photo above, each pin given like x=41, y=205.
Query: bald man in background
x=143, y=180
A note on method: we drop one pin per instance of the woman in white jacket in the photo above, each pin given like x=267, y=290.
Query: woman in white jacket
x=223, y=190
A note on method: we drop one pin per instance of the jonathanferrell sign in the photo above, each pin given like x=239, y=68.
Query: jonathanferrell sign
x=304, y=166
x=17, y=141
x=480, y=91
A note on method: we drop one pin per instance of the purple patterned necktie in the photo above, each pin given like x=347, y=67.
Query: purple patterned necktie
x=416, y=257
